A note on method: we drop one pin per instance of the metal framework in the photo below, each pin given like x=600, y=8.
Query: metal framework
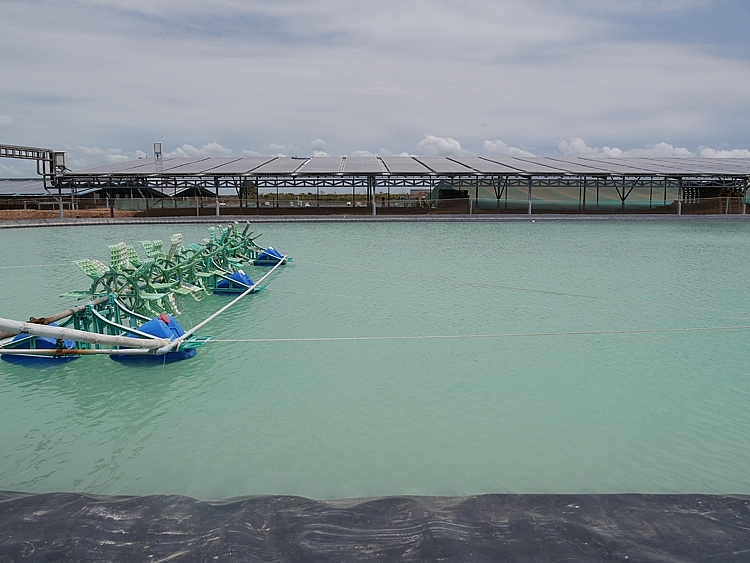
x=49, y=163
x=692, y=178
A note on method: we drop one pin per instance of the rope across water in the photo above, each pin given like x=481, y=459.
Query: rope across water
x=489, y=336
x=521, y=289
x=465, y=283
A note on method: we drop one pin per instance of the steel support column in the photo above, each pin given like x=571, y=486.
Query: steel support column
x=650, y=192
x=597, y=192
x=371, y=189
x=585, y=186
x=59, y=197
x=216, y=188
x=528, y=209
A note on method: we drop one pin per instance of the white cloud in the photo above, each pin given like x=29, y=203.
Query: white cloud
x=320, y=153
x=386, y=152
x=578, y=147
x=662, y=150
x=432, y=145
x=251, y=153
x=209, y=149
x=318, y=145
x=635, y=6
x=80, y=158
x=368, y=74
x=273, y=147
x=708, y=152
x=381, y=152
x=501, y=148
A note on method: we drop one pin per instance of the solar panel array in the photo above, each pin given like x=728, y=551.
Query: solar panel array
x=427, y=165
x=21, y=188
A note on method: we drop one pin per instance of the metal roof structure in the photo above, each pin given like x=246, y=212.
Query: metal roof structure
x=442, y=165
x=33, y=188
x=422, y=166
x=565, y=182
x=23, y=187
x=215, y=175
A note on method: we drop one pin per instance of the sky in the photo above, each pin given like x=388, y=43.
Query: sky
x=104, y=79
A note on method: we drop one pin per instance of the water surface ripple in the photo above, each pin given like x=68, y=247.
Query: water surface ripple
x=302, y=395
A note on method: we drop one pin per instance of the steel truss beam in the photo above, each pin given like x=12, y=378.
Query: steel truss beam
x=172, y=185
x=28, y=153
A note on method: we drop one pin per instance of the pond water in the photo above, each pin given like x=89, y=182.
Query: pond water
x=429, y=359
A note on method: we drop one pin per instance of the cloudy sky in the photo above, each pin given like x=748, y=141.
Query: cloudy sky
x=103, y=79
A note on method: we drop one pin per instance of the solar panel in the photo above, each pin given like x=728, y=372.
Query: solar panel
x=178, y=164
x=9, y=188
x=202, y=165
x=322, y=165
x=539, y=165
x=620, y=166
x=575, y=166
x=483, y=165
x=404, y=165
x=656, y=167
x=363, y=165
x=151, y=167
x=738, y=165
x=243, y=166
x=443, y=165
x=689, y=166
x=703, y=166
x=595, y=165
x=280, y=165
x=525, y=165
x=116, y=168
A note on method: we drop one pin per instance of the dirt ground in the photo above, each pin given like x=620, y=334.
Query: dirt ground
x=22, y=214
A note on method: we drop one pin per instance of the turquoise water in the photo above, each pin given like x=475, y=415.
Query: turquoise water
x=511, y=404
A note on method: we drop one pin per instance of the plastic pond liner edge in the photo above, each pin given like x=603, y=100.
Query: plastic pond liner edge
x=494, y=527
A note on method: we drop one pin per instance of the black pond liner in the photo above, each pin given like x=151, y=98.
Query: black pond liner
x=497, y=528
